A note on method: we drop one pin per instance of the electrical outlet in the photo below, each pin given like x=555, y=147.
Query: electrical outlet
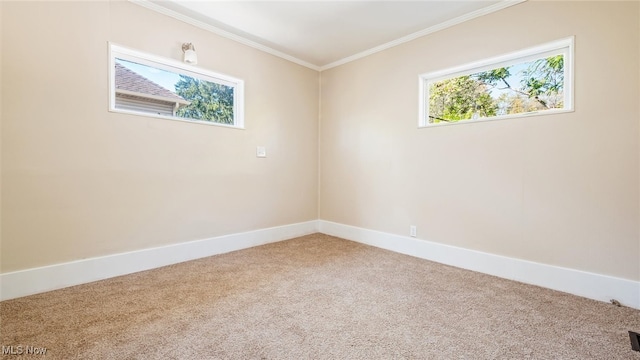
x=412, y=231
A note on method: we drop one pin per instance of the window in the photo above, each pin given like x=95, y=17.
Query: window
x=528, y=82
x=149, y=85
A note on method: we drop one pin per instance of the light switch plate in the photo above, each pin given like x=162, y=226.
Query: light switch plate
x=261, y=152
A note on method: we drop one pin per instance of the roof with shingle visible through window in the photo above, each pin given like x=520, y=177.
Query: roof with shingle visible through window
x=129, y=80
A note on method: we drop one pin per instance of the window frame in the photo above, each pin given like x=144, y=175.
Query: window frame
x=562, y=46
x=175, y=66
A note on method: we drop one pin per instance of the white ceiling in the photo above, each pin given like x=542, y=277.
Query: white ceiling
x=323, y=34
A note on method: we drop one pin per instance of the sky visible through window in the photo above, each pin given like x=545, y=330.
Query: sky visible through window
x=515, y=79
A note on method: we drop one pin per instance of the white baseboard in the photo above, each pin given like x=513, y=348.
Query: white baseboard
x=590, y=285
x=581, y=283
x=52, y=277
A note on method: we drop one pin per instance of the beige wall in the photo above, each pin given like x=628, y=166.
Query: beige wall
x=79, y=181
x=1, y=114
x=555, y=189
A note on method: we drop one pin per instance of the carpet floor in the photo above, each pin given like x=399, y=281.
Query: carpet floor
x=314, y=297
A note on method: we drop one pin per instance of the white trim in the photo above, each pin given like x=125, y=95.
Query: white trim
x=495, y=118
x=590, y=285
x=581, y=283
x=37, y=280
x=564, y=47
x=189, y=20
x=520, y=55
x=169, y=64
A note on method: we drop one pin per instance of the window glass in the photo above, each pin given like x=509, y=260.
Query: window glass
x=148, y=85
x=524, y=83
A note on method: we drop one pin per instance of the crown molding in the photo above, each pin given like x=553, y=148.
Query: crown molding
x=460, y=19
x=189, y=20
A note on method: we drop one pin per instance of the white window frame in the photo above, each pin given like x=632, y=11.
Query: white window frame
x=562, y=46
x=120, y=52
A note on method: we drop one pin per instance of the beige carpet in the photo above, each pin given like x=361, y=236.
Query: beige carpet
x=315, y=297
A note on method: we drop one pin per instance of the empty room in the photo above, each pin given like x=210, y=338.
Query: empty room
x=320, y=179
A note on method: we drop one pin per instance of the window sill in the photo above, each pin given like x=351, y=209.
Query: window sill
x=495, y=118
x=199, y=122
